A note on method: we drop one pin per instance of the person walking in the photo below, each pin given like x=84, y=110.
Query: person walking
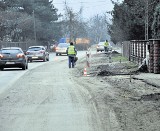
x=71, y=52
x=106, y=44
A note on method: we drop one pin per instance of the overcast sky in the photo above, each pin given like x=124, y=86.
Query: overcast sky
x=90, y=7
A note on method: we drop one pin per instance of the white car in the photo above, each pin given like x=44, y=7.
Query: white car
x=100, y=46
x=62, y=48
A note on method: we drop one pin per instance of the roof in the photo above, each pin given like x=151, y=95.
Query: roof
x=12, y=48
x=36, y=46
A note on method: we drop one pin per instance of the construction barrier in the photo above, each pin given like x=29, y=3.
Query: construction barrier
x=88, y=63
x=85, y=71
x=88, y=58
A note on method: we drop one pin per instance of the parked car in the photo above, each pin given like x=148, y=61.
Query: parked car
x=62, y=48
x=11, y=57
x=37, y=53
x=100, y=46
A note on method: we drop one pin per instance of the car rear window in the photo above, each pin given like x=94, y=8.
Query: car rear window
x=10, y=51
x=35, y=49
x=101, y=43
x=63, y=45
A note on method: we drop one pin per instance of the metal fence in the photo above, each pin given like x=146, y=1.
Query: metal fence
x=137, y=50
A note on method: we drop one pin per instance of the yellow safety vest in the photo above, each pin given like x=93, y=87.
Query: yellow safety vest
x=71, y=50
x=106, y=44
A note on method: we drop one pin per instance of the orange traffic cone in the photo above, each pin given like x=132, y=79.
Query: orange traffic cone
x=85, y=71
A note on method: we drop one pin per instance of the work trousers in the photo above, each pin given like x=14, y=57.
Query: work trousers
x=106, y=49
x=71, y=61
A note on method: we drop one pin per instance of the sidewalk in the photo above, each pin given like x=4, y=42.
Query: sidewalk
x=149, y=78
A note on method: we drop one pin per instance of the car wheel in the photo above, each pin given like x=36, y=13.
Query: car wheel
x=47, y=59
x=44, y=59
x=56, y=54
x=1, y=68
x=24, y=67
x=27, y=66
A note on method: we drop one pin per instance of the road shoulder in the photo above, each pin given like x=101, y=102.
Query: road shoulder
x=123, y=103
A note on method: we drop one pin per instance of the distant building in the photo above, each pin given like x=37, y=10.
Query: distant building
x=78, y=40
x=82, y=41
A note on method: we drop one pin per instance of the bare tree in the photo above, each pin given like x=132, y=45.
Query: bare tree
x=98, y=28
x=73, y=25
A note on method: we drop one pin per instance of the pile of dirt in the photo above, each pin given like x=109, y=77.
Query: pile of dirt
x=151, y=97
x=105, y=65
x=116, y=69
x=115, y=52
x=131, y=104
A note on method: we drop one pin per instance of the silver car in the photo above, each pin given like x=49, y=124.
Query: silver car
x=37, y=53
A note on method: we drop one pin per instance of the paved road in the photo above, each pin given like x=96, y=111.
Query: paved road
x=9, y=76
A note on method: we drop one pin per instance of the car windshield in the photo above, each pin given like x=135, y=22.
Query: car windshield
x=10, y=51
x=63, y=45
x=35, y=49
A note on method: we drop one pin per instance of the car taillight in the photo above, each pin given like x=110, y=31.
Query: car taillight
x=1, y=56
x=20, y=55
x=41, y=52
x=27, y=53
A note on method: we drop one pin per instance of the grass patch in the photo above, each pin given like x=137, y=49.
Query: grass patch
x=119, y=57
x=130, y=65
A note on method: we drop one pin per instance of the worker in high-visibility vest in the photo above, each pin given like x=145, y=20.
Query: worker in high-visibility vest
x=71, y=52
x=106, y=44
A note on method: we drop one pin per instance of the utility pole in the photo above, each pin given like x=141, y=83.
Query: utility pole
x=146, y=21
x=35, y=35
